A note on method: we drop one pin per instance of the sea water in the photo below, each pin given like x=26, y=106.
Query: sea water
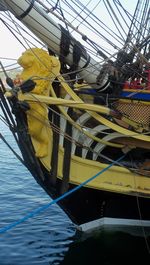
x=49, y=238
x=40, y=240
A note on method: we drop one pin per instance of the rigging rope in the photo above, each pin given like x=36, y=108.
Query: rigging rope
x=14, y=152
x=28, y=45
x=58, y=199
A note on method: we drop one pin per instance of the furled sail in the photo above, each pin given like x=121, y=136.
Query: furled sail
x=51, y=33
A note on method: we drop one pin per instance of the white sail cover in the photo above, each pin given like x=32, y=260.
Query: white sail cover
x=46, y=29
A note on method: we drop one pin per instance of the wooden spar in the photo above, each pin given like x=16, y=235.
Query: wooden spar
x=62, y=102
x=41, y=24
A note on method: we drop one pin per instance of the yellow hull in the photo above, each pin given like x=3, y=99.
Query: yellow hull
x=118, y=178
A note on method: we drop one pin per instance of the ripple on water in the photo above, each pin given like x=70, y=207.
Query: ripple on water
x=43, y=239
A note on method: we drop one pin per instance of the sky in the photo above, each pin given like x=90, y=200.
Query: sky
x=11, y=48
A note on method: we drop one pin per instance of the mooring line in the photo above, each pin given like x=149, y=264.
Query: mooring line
x=45, y=207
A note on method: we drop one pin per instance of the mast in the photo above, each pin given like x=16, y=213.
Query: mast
x=41, y=24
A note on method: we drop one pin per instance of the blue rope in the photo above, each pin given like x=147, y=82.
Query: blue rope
x=45, y=207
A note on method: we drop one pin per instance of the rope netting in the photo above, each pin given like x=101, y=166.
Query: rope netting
x=137, y=111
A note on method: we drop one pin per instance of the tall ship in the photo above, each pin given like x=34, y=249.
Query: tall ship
x=78, y=106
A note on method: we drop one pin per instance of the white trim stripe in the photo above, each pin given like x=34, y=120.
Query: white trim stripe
x=132, y=226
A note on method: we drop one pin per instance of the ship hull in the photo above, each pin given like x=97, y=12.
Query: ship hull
x=101, y=209
x=92, y=209
x=88, y=208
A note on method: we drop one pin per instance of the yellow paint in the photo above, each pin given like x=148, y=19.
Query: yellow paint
x=134, y=124
x=58, y=101
x=42, y=68
x=143, y=91
x=63, y=102
x=117, y=179
x=134, y=101
x=122, y=130
x=76, y=105
x=103, y=120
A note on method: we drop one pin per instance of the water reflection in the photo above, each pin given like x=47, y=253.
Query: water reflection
x=48, y=239
x=43, y=239
x=108, y=248
x=38, y=241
